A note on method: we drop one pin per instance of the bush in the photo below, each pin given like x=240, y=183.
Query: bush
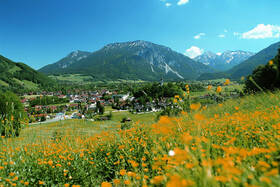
x=11, y=114
x=43, y=118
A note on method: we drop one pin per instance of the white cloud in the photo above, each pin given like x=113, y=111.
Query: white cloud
x=221, y=36
x=193, y=52
x=199, y=36
x=182, y=2
x=168, y=4
x=261, y=31
x=236, y=34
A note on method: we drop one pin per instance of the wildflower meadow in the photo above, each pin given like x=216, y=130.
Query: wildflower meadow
x=235, y=143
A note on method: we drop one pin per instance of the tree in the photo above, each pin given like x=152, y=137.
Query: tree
x=265, y=77
x=100, y=108
x=11, y=114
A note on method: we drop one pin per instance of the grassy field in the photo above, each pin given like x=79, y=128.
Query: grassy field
x=226, y=90
x=74, y=127
x=75, y=78
x=85, y=79
x=231, y=144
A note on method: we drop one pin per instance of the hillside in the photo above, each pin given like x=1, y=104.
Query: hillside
x=225, y=60
x=14, y=76
x=138, y=60
x=245, y=68
x=262, y=57
x=228, y=144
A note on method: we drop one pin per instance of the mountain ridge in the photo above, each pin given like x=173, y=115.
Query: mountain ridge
x=133, y=60
x=246, y=67
x=225, y=60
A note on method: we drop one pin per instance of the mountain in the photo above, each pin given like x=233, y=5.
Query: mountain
x=246, y=67
x=17, y=76
x=207, y=58
x=223, y=61
x=137, y=60
x=72, y=58
x=261, y=58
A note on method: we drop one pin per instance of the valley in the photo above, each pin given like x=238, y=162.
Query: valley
x=76, y=128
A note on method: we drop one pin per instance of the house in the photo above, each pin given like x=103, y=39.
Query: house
x=38, y=107
x=92, y=107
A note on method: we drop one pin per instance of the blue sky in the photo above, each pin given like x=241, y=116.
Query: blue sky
x=40, y=32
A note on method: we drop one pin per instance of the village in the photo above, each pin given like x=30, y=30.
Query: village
x=98, y=105
x=55, y=106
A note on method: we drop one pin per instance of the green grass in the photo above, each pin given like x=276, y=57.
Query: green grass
x=226, y=90
x=85, y=79
x=45, y=131
x=76, y=78
x=14, y=69
x=109, y=109
x=30, y=85
x=27, y=84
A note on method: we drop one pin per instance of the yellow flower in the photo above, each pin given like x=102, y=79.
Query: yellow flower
x=227, y=82
x=131, y=174
x=127, y=182
x=106, y=184
x=116, y=181
x=195, y=106
x=26, y=183
x=199, y=117
x=265, y=179
x=12, y=174
x=122, y=172
x=41, y=183
x=271, y=62
x=221, y=178
x=273, y=172
x=134, y=164
x=186, y=138
x=219, y=89
x=209, y=87
x=157, y=180
x=50, y=162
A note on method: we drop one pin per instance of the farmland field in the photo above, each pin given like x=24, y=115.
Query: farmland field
x=231, y=144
